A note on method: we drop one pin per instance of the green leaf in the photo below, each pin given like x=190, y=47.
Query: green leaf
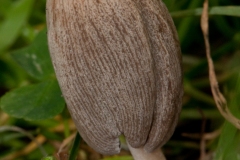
x=11, y=76
x=5, y=138
x=34, y=102
x=48, y=158
x=188, y=25
x=16, y=17
x=225, y=11
x=35, y=59
x=219, y=10
x=4, y=7
x=75, y=147
x=229, y=146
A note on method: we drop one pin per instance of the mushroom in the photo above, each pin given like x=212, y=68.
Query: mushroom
x=118, y=64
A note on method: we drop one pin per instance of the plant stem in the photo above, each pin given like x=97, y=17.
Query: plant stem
x=141, y=154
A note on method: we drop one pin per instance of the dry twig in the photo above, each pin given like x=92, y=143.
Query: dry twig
x=202, y=142
x=66, y=142
x=206, y=136
x=36, y=142
x=28, y=149
x=217, y=95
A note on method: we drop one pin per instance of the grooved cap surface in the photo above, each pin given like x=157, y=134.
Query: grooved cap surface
x=118, y=64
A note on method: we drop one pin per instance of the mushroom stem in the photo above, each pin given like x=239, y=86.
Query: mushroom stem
x=141, y=154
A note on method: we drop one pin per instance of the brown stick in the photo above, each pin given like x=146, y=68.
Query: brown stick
x=217, y=95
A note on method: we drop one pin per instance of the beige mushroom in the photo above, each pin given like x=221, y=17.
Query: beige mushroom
x=118, y=64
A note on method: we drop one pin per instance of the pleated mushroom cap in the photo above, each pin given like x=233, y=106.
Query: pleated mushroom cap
x=118, y=64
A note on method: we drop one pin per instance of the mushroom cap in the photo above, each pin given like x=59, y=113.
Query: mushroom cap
x=118, y=64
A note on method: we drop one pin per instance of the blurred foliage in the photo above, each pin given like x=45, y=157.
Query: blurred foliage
x=29, y=89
